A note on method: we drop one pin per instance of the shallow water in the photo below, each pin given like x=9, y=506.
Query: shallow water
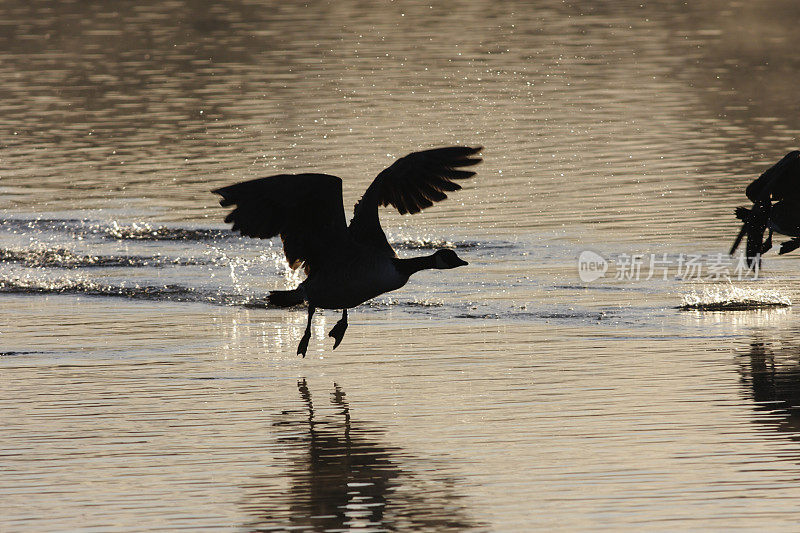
x=147, y=385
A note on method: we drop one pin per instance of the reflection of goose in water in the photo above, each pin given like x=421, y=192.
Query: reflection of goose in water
x=346, y=265
x=771, y=370
x=341, y=478
x=779, y=183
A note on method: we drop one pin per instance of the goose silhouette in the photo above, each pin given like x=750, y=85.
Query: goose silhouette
x=779, y=183
x=346, y=265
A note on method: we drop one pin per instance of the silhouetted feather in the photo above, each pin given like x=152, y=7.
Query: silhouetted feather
x=755, y=224
x=304, y=209
x=411, y=184
x=742, y=213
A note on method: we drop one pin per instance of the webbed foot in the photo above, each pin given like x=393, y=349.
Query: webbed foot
x=303, y=346
x=338, y=330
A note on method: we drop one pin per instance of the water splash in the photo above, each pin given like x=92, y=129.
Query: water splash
x=431, y=243
x=63, y=258
x=145, y=231
x=425, y=243
x=21, y=285
x=137, y=231
x=405, y=241
x=731, y=298
x=131, y=291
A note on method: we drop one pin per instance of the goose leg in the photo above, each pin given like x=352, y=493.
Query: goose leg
x=303, y=346
x=338, y=330
x=767, y=244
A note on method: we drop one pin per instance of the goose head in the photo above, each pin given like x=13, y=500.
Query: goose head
x=444, y=259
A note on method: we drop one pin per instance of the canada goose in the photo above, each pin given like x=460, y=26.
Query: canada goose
x=779, y=183
x=345, y=265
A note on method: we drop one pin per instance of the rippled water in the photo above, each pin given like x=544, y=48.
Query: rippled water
x=147, y=385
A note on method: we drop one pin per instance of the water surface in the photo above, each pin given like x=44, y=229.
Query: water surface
x=147, y=385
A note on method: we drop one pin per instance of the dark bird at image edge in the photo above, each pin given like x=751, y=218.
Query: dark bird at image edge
x=346, y=265
x=779, y=183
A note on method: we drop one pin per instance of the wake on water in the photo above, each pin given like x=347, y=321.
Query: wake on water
x=44, y=253
x=212, y=266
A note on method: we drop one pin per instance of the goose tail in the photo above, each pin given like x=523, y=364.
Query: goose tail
x=285, y=298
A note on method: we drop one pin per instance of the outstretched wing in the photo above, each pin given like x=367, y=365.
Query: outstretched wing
x=754, y=225
x=781, y=181
x=304, y=209
x=411, y=184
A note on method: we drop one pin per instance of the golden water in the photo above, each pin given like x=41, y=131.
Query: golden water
x=144, y=385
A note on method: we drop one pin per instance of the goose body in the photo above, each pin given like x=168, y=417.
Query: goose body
x=346, y=265
x=784, y=217
x=362, y=277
